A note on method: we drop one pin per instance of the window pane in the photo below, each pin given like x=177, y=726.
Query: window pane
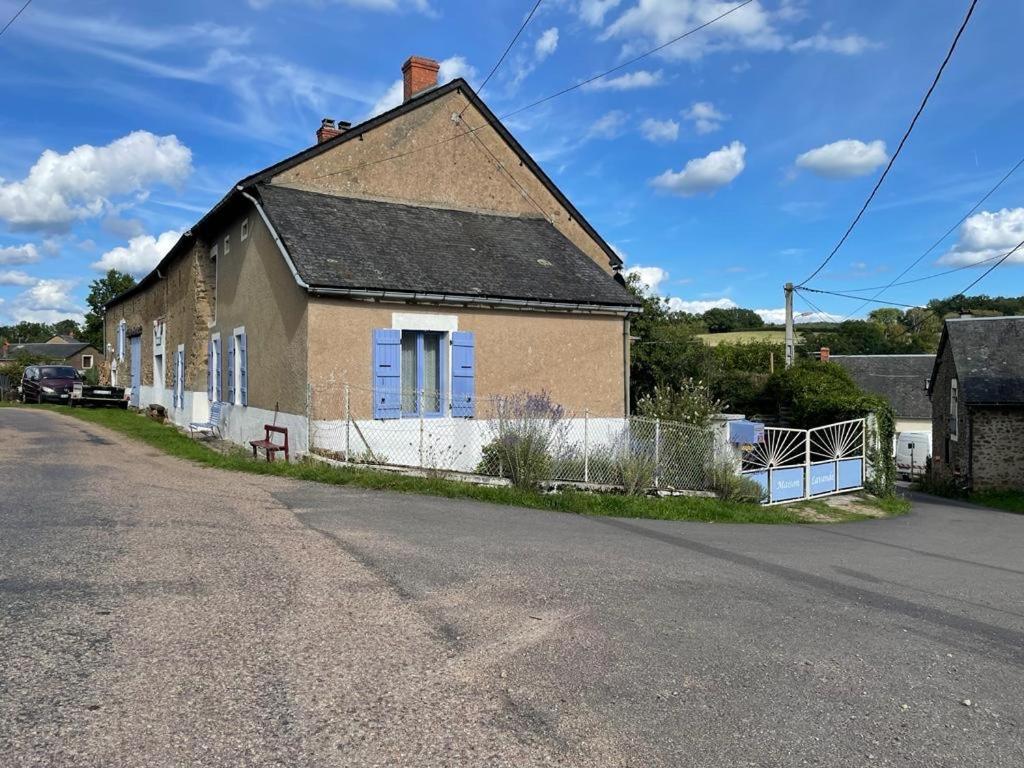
x=409, y=373
x=431, y=373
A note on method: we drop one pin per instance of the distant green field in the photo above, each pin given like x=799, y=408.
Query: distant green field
x=741, y=337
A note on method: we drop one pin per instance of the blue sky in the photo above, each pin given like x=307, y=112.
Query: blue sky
x=720, y=168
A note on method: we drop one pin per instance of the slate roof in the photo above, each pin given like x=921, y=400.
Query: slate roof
x=989, y=357
x=901, y=379
x=53, y=351
x=366, y=245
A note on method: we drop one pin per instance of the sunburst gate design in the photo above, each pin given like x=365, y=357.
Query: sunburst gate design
x=794, y=464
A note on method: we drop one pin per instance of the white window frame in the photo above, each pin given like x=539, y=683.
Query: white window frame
x=227, y=244
x=954, y=410
x=245, y=230
x=214, y=251
x=122, y=338
x=159, y=353
x=179, y=375
x=90, y=365
x=236, y=347
x=215, y=373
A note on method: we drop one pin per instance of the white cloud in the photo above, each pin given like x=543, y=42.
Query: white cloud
x=699, y=306
x=705, y=174
x=61, y=189
x=140, y=256
x=659, y=130
x=45, y=302
x=19, y=254
x=650, y=277
x=844, y=159
x=777, y=316
x=986, y=235
x=451, y=68
x=608, y=126
x=546, y=44
x=642, y=78
x=593, y=11
x=847, y=45
x=16, y=277
x=656, y=22
x=705, y=117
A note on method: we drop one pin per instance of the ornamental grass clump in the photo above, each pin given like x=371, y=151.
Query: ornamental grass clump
x=527, y=429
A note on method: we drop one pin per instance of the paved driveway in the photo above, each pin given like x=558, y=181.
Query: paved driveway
x=158, y=613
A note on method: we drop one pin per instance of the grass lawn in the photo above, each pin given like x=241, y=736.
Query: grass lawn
x=1011, y=501
x=175, y=443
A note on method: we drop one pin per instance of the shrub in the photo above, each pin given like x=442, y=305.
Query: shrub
x=527, y=427
x=730, y=485
x=690, y=403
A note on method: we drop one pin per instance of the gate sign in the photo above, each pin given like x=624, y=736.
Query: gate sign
x=823, y=478
x=787, y=484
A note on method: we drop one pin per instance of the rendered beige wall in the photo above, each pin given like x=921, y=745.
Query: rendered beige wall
x=459, y=173
x=577, y=359
x=256, y=290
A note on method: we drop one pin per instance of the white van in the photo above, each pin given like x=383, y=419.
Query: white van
x=912, y=450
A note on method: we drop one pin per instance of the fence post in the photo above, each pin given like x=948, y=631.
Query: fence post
x=586, y=445
x=348, y=423
x=657, y=452
x=807, y=465
x=419, y=396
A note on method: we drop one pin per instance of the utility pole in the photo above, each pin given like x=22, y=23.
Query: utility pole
x=789, y=325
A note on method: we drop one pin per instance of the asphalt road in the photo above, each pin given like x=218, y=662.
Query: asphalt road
x=155, y=613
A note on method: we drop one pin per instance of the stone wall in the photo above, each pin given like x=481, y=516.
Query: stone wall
x=998, y=461
x=950, y=457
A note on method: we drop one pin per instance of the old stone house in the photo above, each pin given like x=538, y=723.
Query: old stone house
x=422, y=258
x=900, y=379
x=977, y=397
x=78, y=354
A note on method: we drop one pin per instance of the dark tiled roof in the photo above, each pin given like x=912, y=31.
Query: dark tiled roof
x=52, y=351
x=901, y=379
x=989, y=357
x=356, y=244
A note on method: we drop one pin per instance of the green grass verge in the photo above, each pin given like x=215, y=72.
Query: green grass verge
x=1011, y=501
x=173, y=442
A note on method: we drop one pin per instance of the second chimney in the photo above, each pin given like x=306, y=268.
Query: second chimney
x=329, y=129
x=418, y=74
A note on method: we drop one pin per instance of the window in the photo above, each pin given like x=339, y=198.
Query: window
x=238, y=369
x=422, y=373
x=954, y=409
x=86, y=362
x=122, y=332
x=159, y=371
x=227, y=245
x=179, y=377
x=245, y=230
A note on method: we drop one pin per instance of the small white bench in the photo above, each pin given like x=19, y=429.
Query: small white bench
x=211, y=427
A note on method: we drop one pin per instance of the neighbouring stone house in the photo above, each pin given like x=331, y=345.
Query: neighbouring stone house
x=900, y=379
x=78, y=354
x=977, y=396
x=422, y=258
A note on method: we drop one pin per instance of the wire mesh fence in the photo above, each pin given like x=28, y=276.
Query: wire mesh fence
x=507, y=435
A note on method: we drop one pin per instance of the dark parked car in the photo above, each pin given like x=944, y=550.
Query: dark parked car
x=48, y=383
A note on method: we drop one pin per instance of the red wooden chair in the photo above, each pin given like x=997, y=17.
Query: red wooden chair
x=268, y=445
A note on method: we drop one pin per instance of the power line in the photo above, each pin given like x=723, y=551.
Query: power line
x=1007, y=255
x=14, y=18
x=935, y=245
x=508, y=48
x=922, y=279
x=706, y=24
x=858, y=298
x=899, y=148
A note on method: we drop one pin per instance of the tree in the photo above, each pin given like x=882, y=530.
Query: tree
x=102, y=290
x=719, y=320
x=26, y=332
x=67, y=327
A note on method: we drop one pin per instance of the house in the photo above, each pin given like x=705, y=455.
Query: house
x=977, y=397
x=78, y=354
x=409, y=266
x=900, y=379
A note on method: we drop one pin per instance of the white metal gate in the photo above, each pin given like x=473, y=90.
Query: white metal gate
x=793, y=464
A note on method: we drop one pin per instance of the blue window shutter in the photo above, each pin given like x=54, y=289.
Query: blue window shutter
x=231, y=371
x=219, y=367
x=177, y=379
x=463, y=375
x=181, y=378
x=243, y=370
x=209, y=370
x=387, y=373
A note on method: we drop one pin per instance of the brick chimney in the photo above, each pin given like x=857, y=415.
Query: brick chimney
x=824, y=354
x=329, y=129
x=418, y=74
